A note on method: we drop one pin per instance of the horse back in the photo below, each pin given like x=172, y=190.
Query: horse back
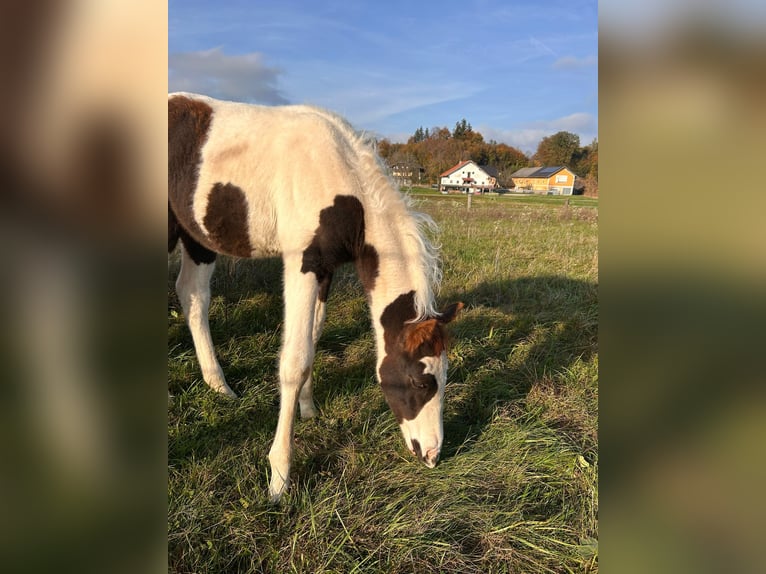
x=250, y=180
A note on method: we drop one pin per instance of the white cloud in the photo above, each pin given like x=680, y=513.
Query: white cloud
x=528, y=136
x=243, y=77
x=574, y=63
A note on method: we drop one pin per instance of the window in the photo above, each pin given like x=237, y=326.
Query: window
x=561, y=179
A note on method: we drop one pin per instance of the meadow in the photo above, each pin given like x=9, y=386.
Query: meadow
x=516, y=488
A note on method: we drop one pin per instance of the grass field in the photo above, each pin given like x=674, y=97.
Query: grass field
x=516, y=487
x=532, y=198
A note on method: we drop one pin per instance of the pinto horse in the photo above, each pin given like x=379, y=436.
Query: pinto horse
x=255, y=181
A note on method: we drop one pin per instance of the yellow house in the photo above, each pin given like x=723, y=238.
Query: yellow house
x=557, y=180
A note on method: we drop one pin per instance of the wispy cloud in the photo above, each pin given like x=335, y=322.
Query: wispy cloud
x=578, y=122
x=375, y=102
x=528, y=136
x=243, y=77
x=573, y=63
x=542, y=46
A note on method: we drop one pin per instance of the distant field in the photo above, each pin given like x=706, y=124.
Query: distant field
x=573, y=200
x=516, y=487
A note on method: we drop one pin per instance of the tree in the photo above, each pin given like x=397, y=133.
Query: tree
x=462, y=129
x=585, y=160
x=419, y=136
x=558, y=149
x=384, y=148
x=437, y=149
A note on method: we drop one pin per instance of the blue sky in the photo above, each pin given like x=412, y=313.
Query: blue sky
x=516, y=70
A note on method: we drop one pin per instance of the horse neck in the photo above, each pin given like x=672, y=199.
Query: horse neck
x=402, y=275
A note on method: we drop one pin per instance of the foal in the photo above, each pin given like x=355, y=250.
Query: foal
x=253, y=181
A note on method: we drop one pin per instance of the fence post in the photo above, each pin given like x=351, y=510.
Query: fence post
x=470, y=195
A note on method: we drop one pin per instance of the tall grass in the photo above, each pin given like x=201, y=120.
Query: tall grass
x=516, y=487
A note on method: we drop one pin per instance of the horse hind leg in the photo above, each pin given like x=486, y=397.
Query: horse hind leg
x=306, y=398
x=193, y=288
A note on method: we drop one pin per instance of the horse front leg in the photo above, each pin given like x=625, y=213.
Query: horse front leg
x=294, y=367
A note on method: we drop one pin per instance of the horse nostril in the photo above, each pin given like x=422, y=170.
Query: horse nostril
x=431, y=457
x=428, y=458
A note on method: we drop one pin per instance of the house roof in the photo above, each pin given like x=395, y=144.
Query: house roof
x=524, y=172
x=491, y=171
x=538, y=172
x=454, y=168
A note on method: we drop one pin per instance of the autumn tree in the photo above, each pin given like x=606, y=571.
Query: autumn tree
x=439, y=148
x=384, y=148
x=588, y=168
x=558, y=149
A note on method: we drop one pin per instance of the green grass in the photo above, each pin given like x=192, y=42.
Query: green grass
x=516, y=487
x=531, y=198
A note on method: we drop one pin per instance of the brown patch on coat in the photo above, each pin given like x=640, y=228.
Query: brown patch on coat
x=189, y=123
x=367, y=265
x=394, y=317
x=197, y=253
x=324, y=288
x=226, y=220
x=174, y=230
x=340, y=239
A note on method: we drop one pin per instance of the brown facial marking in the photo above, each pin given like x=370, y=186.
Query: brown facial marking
x=226, y=220
x=426, y=337
x=340, y=239
x=394, y=317
x=188, y=126
x=406, y=388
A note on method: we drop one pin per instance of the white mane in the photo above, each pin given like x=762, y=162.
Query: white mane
x=418, y=229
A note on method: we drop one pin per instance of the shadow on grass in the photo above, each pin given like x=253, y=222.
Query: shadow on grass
x=512, y=333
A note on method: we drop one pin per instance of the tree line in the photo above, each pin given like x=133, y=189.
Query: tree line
x=439, y=148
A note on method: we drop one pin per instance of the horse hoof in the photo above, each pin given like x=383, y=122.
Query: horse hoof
x=226, y=391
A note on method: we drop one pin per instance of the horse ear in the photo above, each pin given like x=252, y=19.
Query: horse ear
x=450, y=312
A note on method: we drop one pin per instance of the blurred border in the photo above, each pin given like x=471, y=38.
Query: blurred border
x=82, y=167
x=682, y=121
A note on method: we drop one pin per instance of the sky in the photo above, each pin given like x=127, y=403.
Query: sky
x=517, y=71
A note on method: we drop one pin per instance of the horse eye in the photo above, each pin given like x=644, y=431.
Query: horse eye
x=417, y=383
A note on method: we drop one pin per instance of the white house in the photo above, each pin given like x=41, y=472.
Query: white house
x=468, y=177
